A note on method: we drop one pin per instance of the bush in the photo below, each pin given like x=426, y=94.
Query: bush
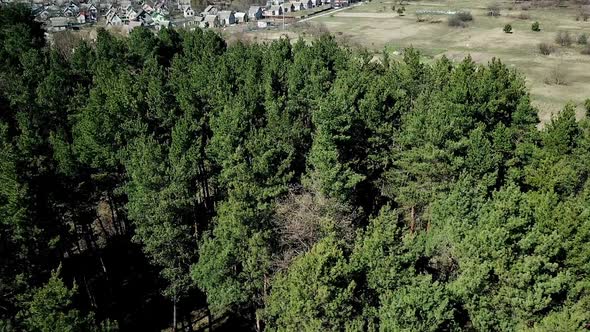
x=582, y=39
x=546, y=48
x=455, y=21
x=563, y=38
x=587, y=104
x=464, y=16
x=536, y=27
x=508, y=28
x=557, y=75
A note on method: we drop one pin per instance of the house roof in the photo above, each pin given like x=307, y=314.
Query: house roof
x=59, y=21
x=208, y=9
x=210, y=18
x=240, y=14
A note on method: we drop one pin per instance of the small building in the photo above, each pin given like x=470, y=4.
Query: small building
x=211, y=21
x=307, y=4
x=132, y=14
x=255, y=13
x=148, y=8
x=81, y=18
x=274, y=10
x=59, y=23
x=90, y=12
x=114, y=20
x=159, y=19
x=226, y=18
x=297, y=6
x=316, y=3
x=288, y=7
x=184, y=22
x=209, y=10
x=189, y=12
x=262, y=24
x=241, y=17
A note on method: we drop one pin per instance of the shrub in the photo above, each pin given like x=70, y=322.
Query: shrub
x=508, y=28
x=557, y=75
x=455, y=21
x=563, y=38
x=536, y=27
x=464, y=16
x=546, y=48
x=582, y=39
x=587, y=104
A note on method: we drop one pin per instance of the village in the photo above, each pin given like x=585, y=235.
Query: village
x=60, y=15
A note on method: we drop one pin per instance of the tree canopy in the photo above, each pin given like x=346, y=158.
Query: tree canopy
x=291, y=185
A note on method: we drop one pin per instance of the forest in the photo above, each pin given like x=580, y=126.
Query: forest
x=284, y=186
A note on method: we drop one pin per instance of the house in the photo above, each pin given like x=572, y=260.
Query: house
x=159, y=19
x=297, y=6
x=241, y=17
x=210, y=10
x=81, y=18
x=288, y=7
x=145, y=18
x=71, y=10
x=132, y=14
x=148, y=8
x=316, y=3
x=43, y=16
x=274, y=10
x=90, y=12
x=307, y=4
x=211, y=21
x=255, y=13
x=189, y=12
x=186, y=23
x=226, y=18
x=114, y=19
x=59, y=23
x=199, y=20
x=183, y=4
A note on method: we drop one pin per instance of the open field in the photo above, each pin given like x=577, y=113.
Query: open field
x=376, y=26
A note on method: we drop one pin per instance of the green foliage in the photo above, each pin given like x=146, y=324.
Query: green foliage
x=49, y=308
x=291, y=186
x=316, y=293
x=508, y=28
x=535, y=26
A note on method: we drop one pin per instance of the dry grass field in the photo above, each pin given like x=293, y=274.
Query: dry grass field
x=376, y=26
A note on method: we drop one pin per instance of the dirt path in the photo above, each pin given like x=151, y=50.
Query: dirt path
x=329, y=12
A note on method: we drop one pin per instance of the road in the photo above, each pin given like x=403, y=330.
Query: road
x=329, y=12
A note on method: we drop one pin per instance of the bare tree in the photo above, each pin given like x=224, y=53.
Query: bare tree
x=302, y=218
